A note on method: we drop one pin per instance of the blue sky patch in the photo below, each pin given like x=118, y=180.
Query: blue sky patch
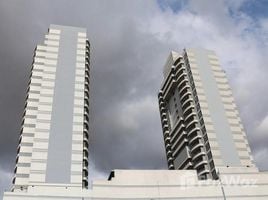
x=255, y=9
x=174, y=5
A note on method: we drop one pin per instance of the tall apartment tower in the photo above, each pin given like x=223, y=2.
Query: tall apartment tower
x=201, y=125
x=53, y=146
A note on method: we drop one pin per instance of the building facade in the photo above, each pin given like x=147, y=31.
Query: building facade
x=52, y=156
x=53, y=146
x=201, y=124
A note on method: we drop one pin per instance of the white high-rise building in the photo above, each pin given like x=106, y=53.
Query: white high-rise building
x=53, y=150
x=53, y=146
x=201, y=124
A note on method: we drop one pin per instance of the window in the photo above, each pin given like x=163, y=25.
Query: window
x=194, y=92
x=209, y=155
x=198, y=106
x=201, y=122
x=207, y=147
x=204, y=131
x=200, y=114
x=196, y=99
x=22, y=175
x=205, y=138
x=211, y=164
x=25, y=154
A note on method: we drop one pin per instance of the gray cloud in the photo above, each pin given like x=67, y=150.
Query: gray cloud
x=130, y=42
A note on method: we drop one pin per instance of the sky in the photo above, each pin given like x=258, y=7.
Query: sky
x=130, y=43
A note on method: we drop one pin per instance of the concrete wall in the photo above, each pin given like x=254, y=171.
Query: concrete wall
x=234, y=183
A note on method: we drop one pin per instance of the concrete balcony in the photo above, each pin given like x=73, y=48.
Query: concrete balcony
x=202, y=153
x=198, y=145
x=195, y=138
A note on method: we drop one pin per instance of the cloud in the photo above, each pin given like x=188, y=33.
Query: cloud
x=130, y=42
x=5, y=181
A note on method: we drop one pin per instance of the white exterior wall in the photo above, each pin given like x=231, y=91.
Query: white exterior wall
x=234, y=183
x=48, y=65
x=230, y=108
x=31, y=163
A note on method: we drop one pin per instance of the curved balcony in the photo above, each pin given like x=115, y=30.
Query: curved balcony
x=164, y=120
x=86, y=94
x=160, y=95
x=86, y=83
x=183, y=84
x=182, y=80
x=163, y=114
x=85, y=139
x=86, y=109
x=165, y=127
x=202, y=162
x=184, y=95
x=170, y=159
x=169, y=153
x=87, y=80
x=195, y=138
x=193, y=130
x=177, y=63
x=86, y=103
x=166, y=133
x=161, y=103
x=168, y=146
x=190, y=115
x=171, y=166
x=162, y=109
x=86, y=126
x=85, y=158
x=85, y=133
x=85, y=130
x=85, y=183
x=185, y=112
x=198, y=145
x=85, y=144
x=205, y=171
x=190, y=99
x=184, y=90
x=202, y=153
x=86, y=89
x=183, y=74
x=85, y=174
x=86, y=119
x=85, y=148
x=85, y=162
x=86, y=113
x=194, y=120
x=167, y=139
x=85, y=168
x=183, y=87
